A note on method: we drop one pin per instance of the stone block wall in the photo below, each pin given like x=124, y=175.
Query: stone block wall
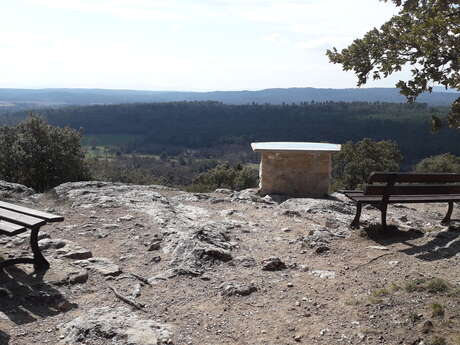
x=295, y=174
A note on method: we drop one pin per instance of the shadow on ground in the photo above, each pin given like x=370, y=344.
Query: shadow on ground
x=25, y=297
x=441, y=245
x=4, y=338
x=391, y=234
x=438, y=245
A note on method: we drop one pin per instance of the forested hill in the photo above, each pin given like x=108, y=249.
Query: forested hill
x=59, y=97
x=172, y=127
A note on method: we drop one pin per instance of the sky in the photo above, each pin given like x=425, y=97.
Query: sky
x=189, y=45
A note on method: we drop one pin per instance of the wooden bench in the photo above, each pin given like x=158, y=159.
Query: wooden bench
x=16, y=220
x=394, y=187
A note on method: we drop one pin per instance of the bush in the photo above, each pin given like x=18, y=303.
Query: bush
x=225, y=176
x=41, y=156
x=353, y=164
x=119, y=170
x=447, y=163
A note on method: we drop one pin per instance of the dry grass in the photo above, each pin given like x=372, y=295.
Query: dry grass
x=394, y=287
x=381, y=292
x=414, y=317
x=352, y=301
x=374, y=300
x=436, y=341
x=434, y=286
x=437, y=310
x=437, y=285
x=415, y=285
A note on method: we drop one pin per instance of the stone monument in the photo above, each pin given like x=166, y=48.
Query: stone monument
x=297, y=169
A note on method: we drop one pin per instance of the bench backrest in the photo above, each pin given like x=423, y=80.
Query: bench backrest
x=395, y=183
x=398, y=177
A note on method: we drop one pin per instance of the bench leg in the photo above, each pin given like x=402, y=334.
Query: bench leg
x=40, y=262
x=383, y=210
x=446, y=220
x=355, y=223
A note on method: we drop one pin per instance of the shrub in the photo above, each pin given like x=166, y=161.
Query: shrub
x=447, y=163
x=353, y=164
x=115, y=170
x=41, y=156
x=226, y=176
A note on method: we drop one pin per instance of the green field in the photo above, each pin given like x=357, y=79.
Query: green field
x=110, y=139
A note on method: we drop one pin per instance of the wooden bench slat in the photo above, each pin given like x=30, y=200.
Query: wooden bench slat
x=11, y=229
x=407, y=198
x=412, y=189
x=19, y=218
x=31, y=212
x=352, y=192
x=414, y=177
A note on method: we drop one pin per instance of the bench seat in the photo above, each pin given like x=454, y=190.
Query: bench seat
x=11, y=229
x=48, y=217
x=20, y=218
x=15, y=220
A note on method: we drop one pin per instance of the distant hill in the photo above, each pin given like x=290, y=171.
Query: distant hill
x=60, y=97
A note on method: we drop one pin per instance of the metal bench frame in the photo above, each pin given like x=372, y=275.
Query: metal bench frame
x=401, y=188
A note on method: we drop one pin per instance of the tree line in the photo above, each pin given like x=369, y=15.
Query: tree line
x=210, y=126
x=42, y=156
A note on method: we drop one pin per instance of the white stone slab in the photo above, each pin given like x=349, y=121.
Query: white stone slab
x=295, y=147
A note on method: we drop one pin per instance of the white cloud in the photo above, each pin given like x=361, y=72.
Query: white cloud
x=318, y=18
x=273, y=37
x=293, y=13
x=324, y=42
x=297, y=12
x=275, y=12
x=313, y=23
x=126, y=9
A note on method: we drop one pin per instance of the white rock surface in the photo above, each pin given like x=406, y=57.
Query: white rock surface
x=323, y=274
x=100, y=265
x=64, y=249
x=117, y=326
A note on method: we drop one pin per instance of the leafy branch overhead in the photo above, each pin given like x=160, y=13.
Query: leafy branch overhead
x=424, y=34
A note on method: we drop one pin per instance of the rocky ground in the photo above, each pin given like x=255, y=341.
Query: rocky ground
x=142, y=265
